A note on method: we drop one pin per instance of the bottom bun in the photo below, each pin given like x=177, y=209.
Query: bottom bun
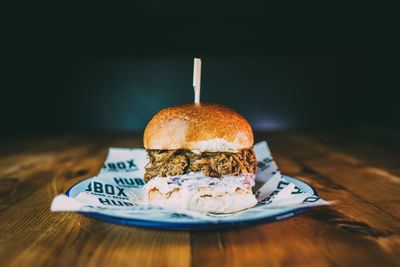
x=204, y=199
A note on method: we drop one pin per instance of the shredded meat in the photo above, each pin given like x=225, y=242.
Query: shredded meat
x=215, y=164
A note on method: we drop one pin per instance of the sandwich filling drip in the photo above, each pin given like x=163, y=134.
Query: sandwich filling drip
x=164, y=163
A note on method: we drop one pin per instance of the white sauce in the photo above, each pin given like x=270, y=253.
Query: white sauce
x=214, y=145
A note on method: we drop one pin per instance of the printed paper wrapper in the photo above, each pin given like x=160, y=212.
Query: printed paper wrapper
x=117, y=191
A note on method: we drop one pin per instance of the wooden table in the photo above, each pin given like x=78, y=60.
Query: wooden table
x=359, y=171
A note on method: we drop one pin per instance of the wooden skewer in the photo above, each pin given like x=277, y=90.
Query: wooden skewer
x=196, y=79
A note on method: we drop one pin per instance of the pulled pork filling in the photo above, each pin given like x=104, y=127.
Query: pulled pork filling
x=214, y=164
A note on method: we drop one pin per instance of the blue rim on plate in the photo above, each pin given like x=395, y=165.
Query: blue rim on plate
x=205, y=225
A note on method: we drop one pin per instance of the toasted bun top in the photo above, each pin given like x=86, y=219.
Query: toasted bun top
x=198, y=127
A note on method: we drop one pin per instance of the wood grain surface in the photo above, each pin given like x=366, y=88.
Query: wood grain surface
x=360, y=172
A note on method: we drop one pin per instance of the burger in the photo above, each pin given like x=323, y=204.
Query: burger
x=201, y=158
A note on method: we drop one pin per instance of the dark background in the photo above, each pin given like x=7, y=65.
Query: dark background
x=110, y=66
